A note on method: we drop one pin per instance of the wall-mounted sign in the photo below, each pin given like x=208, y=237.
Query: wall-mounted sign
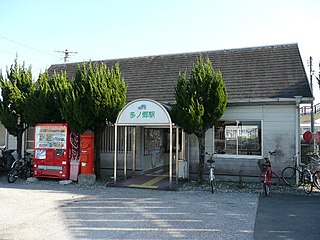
x=143, y=112
x=307, y=136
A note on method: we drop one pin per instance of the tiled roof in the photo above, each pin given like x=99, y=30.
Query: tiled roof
x=256, y=73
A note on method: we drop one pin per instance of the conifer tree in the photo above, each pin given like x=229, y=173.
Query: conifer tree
x=201, y=100
x=16, y=88
x=43, y=106
x=95, y=96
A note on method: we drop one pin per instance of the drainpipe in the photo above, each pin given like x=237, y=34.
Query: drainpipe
x=312, y=107
x=298, y=145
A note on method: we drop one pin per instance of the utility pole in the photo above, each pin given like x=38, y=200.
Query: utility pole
x=66, y=54
x=318, y=78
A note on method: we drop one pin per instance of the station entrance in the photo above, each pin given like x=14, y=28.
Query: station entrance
x=158, y=146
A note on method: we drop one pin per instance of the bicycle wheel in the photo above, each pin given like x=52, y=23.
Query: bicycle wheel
x=12, y=176
x=212, y=185
x=261, y=177
x=266, y=189
x=307, y=181
x=28, y=171
x=16, y=165
x=316, y=179
x=289, y=175
x=266, y=183
x=212, y=179
x=275, y=179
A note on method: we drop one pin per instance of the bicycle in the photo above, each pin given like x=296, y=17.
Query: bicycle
x=316, y=174
x=212, y=178
x=292, y=175
x=311, y=175
x=267, y=174
x=22, y=168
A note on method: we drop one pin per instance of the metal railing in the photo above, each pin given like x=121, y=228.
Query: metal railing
x=307, y=109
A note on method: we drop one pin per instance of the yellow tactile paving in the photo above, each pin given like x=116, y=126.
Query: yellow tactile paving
x=149, y=184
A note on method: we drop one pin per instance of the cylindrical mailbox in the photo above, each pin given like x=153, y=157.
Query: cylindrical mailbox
x=87, y=154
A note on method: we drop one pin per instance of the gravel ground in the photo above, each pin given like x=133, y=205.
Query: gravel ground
x=245, y=187
x=221, y=186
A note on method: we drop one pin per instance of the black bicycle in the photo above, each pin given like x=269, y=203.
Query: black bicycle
x=212, y=178
x=311, y=176
x=292, y=175
x=22, y=169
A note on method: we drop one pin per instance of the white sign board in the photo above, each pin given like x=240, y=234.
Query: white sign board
x=143, y=112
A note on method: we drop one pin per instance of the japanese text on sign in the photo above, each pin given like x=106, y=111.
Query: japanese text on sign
x=142, y=113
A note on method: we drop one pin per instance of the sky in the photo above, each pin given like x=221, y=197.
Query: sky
x=38, y=32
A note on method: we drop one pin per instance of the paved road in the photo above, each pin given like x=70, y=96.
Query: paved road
x=70, y=212
x=288, y=216
x=51, y=211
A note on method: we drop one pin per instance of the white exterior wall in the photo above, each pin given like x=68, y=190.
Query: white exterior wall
x=278, y=133
x=7, y=140
x=11, y=142
x=3, y=135
x=278, y=125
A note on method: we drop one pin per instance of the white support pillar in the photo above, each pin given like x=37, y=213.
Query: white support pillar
x=133, y=150
x=125, y=153
x=297, y=137
x=237, y=139
x=115, y=154
x=177, y=155
x=170, y=159
x=183, y=143
x=213, y=137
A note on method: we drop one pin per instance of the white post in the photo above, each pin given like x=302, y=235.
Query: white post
x=237, y=140
x=125, y=153
x=177, y=154
x=213, y=139
x=115, y=155
x=170, y=158
x=183, y=143
x=297, y=100
x=133, y=150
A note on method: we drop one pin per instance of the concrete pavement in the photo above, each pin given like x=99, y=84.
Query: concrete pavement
x=37, y=211
x=288, y=216
x=47, y=210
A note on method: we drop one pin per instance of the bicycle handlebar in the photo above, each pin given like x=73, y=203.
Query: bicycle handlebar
x=210, y=154
x=211, y=160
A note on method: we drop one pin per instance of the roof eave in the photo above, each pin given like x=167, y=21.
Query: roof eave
x=303, y=100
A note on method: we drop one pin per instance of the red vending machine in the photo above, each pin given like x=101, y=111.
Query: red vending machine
x=55, y=147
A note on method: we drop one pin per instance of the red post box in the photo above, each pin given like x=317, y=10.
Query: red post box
x=87, y=154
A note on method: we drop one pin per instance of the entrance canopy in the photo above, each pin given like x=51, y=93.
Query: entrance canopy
x=143, y=112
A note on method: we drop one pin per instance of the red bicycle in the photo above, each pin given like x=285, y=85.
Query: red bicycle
x=267, y=174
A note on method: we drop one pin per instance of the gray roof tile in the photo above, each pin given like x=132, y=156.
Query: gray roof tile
x=259, y=72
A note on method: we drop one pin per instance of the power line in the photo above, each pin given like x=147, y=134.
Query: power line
x=66, y=52
x=17, y=55
x=26, y=46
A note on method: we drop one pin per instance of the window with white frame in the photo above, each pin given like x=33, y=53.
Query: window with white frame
x=238, y=137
